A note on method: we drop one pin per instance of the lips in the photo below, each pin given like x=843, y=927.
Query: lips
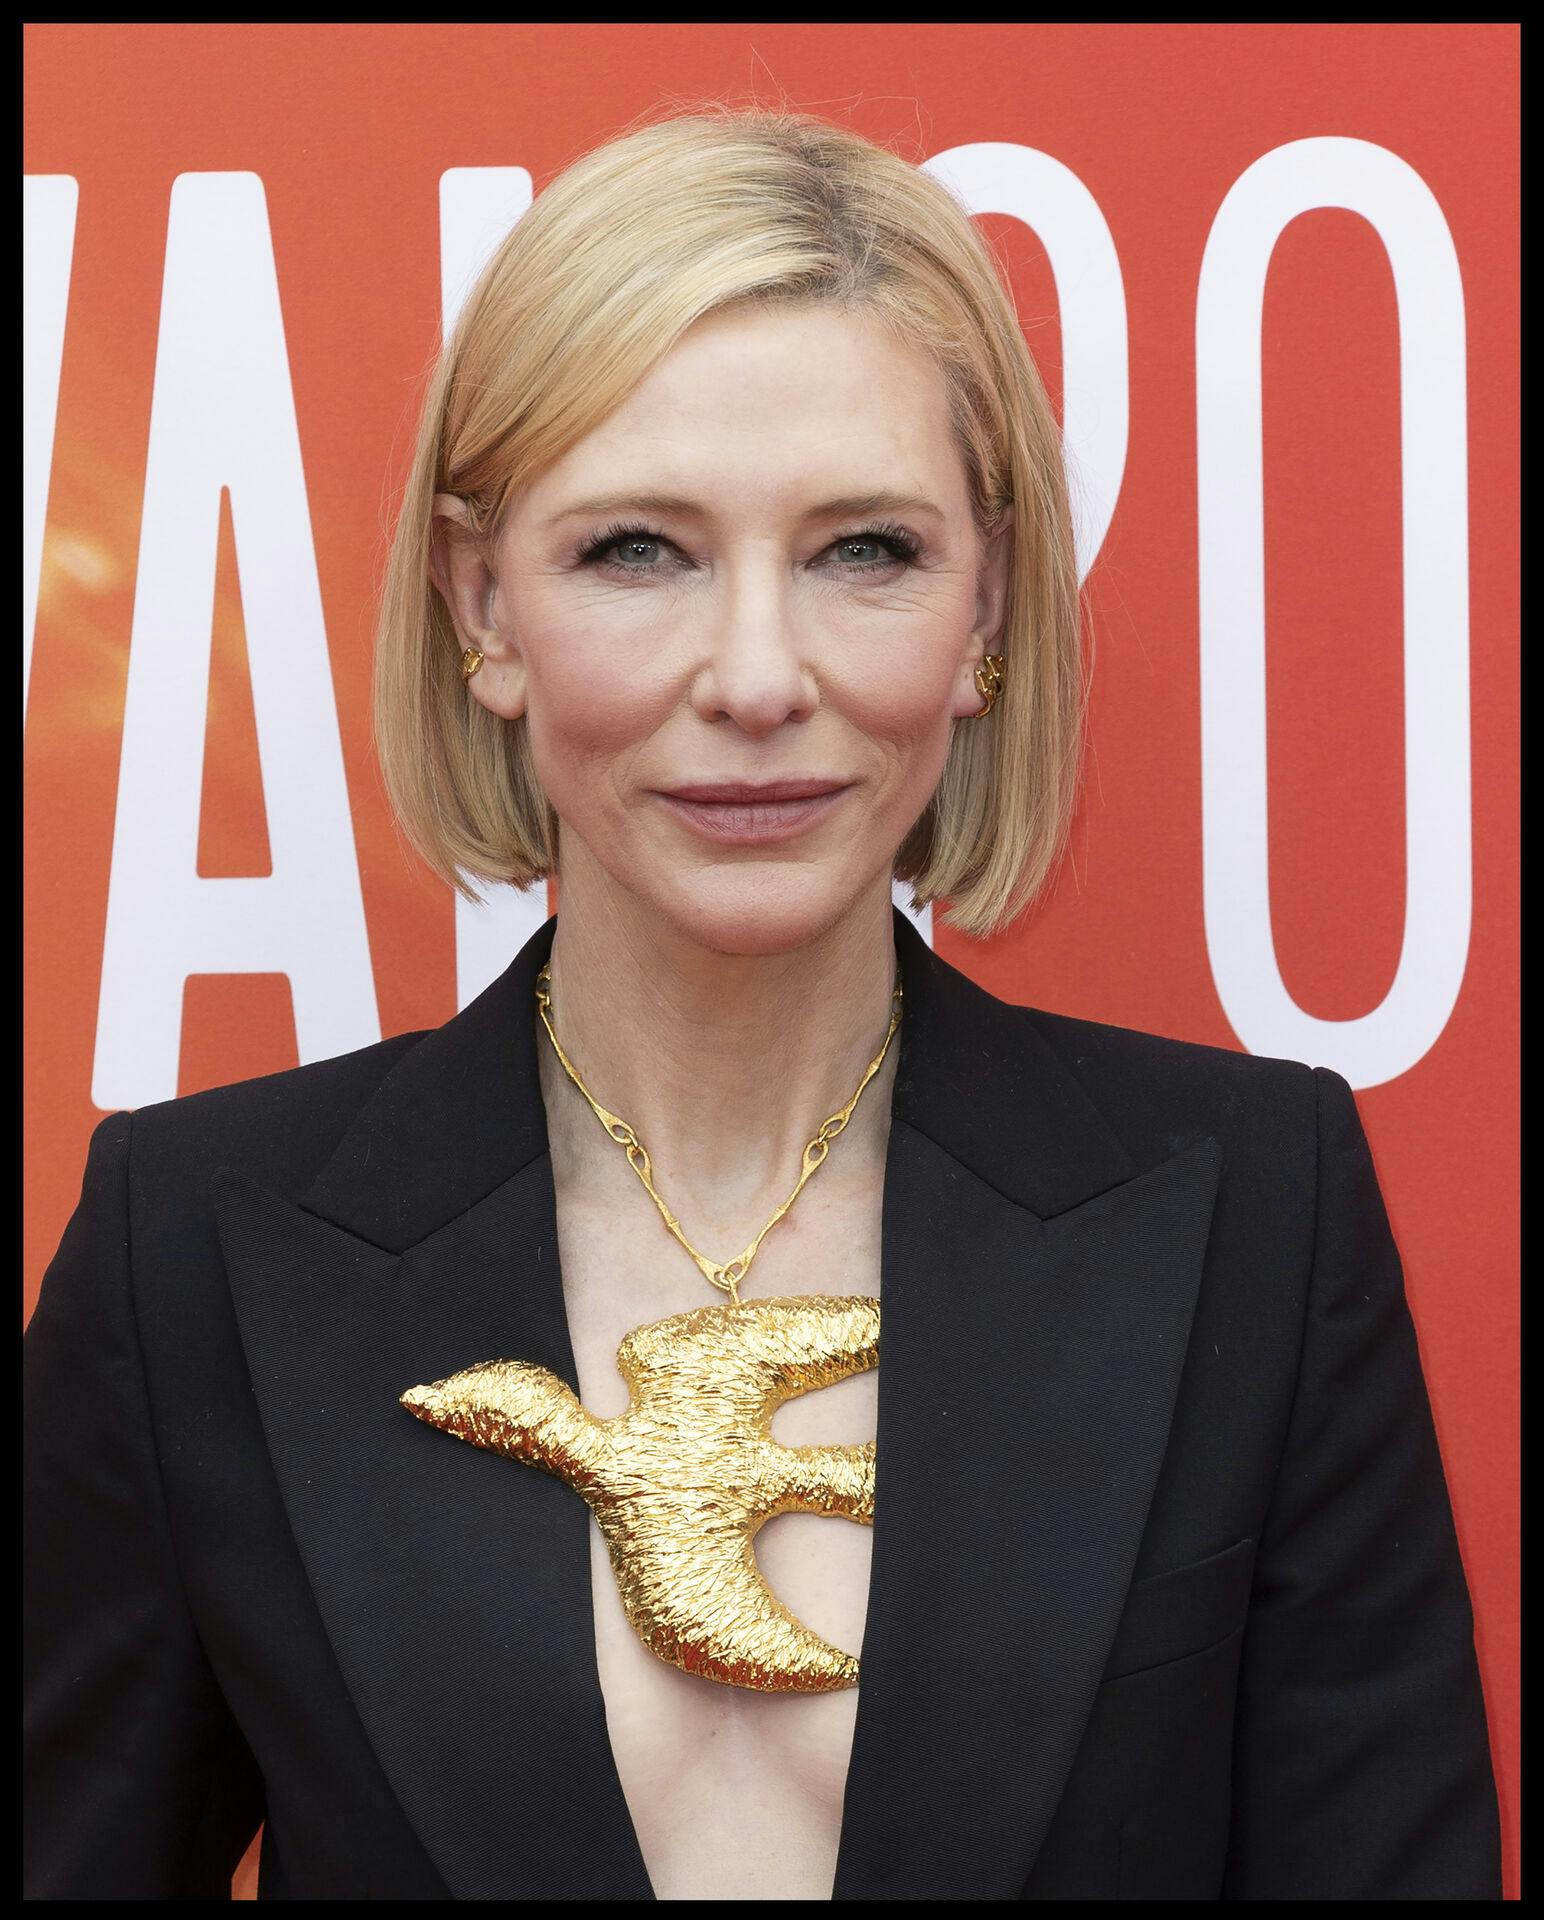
x=735, y=813
x=742, y=793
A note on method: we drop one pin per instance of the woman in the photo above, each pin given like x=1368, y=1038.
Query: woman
x=734, y=581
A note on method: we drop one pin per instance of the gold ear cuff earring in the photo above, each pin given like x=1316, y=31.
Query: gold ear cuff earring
x=989, y=683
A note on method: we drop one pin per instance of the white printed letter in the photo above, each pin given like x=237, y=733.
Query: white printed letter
x=1392, y=197
x=47, y=246
x=223, y=415
x=998, y=176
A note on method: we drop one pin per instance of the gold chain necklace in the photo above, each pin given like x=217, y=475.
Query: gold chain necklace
x=680, y=1483
x=725, y=1276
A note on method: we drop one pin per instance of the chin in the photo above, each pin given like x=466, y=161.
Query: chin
x=758, y=908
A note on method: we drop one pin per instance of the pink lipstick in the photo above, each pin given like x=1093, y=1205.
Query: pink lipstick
x=744, y=813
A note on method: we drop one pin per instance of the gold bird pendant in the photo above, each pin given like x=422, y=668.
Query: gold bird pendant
x=682, y=1481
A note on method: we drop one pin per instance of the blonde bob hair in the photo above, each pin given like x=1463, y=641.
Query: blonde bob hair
x=614, y=260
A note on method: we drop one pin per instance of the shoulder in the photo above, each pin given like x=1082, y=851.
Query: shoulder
x=279, y=1128
x=1137, y=1057
x=1156, y=1091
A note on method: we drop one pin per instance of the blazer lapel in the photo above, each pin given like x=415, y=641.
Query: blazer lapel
x=455, y=1588
x=1037, y=1294
x=1037, y=1290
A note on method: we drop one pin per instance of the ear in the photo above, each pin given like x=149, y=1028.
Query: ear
x=992, y=585
x=460, y=567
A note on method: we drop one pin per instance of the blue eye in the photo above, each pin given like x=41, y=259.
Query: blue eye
x=620, y=538
x=893, y=546
x=616, y=548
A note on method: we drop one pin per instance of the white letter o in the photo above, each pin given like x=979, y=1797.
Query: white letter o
x=1389, y=194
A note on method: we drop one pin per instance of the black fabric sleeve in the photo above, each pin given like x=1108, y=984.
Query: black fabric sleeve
x=1361, y=1761
x=137, y=1783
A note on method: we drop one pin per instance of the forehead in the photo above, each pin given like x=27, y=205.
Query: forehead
x=789, y=399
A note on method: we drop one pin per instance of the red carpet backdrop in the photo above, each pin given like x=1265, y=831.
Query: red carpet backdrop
x=1270, y=276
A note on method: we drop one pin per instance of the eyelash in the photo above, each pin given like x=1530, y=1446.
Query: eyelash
x=903, y=546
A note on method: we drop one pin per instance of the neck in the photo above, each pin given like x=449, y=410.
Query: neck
x=723, y=1064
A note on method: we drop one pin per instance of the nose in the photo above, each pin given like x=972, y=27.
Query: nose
x=754, y=668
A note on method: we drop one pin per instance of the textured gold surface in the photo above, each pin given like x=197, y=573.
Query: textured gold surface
x=681, y=1482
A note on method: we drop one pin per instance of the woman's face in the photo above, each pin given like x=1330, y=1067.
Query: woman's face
x=761, y=568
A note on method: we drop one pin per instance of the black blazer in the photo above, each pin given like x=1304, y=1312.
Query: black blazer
x=1165, y=1598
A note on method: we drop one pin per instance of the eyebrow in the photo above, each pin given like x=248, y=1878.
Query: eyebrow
x=850, y=504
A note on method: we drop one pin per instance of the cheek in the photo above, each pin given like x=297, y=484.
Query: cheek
x=905, y=700
x=587, y=704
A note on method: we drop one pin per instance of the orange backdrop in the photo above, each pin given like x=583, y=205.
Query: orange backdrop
x=1368, y=491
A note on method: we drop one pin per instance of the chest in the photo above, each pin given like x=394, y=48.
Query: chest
x=732, y=1793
